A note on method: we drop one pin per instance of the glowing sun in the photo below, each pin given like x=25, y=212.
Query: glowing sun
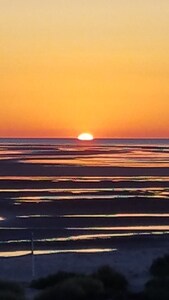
x=85, y=137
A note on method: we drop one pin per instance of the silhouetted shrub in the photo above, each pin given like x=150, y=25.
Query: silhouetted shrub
x=9, y=296
x=113, y=281
x=78, y=288
x=157, y=289
x=93, y=288
x=135, y=296
x=11, y=291
x=160, y=267
x=51, y=280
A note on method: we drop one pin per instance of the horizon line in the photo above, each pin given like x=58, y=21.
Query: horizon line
x=95, y=138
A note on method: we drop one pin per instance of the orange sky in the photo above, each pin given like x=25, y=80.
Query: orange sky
x=69, y=66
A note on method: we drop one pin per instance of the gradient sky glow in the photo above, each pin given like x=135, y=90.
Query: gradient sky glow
x=99, y=66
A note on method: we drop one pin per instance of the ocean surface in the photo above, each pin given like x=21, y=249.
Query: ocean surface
x=65, y=195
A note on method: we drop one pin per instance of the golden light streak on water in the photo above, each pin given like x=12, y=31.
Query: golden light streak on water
x=9, y=254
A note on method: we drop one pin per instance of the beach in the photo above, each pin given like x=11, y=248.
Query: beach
x=83, y=206
x=133, y=262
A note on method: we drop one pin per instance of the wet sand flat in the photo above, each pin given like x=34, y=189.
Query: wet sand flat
x=89, y=204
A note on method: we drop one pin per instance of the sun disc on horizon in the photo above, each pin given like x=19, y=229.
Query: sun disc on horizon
x=85, y=137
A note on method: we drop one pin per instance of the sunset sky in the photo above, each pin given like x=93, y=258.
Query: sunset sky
x=69, y=66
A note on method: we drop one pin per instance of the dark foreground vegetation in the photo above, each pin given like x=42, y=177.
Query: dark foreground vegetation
x=104, y=284
x=11, y=291
x=158, y=286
